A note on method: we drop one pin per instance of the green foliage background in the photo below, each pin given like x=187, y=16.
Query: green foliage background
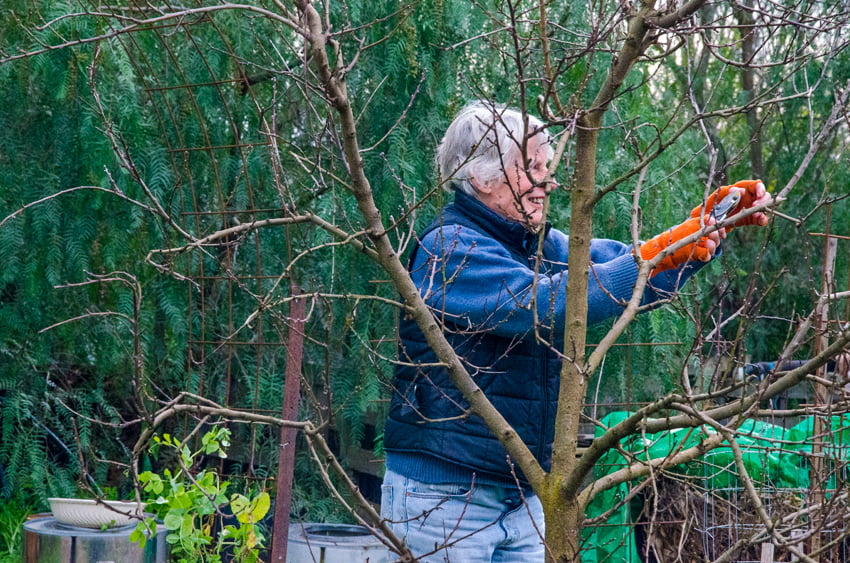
x=190, y=103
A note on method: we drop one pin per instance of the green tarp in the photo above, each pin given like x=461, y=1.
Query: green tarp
x=774, y=457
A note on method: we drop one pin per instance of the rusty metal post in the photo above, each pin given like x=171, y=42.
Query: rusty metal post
x=291, y=398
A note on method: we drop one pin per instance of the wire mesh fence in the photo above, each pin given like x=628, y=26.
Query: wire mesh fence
x=778, y=495
x=772, y=521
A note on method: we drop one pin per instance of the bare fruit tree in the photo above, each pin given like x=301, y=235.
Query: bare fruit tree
x=275, y=134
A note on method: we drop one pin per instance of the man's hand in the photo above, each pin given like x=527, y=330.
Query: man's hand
x=702, y=250
x=752, y=193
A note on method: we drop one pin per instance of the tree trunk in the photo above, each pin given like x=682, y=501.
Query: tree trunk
x=563, y=513
x=563, y=526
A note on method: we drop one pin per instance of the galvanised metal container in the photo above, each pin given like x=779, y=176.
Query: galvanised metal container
x=49, y=541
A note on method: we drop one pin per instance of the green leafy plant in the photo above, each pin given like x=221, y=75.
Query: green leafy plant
x=13, y=513
x=191, y=505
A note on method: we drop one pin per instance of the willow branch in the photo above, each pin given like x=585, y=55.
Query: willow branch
x=112, y=191
x=320, y=451
x=140, y=24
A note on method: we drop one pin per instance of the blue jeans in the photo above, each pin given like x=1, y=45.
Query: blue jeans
x=458, y=524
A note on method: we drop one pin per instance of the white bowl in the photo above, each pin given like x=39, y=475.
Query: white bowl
x=87, y=513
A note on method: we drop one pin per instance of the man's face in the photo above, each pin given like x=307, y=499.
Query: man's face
x=520, y=193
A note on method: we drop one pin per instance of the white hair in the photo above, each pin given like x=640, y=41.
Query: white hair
x=481, y=142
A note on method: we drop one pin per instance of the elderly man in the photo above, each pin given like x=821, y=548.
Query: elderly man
x=450, y=489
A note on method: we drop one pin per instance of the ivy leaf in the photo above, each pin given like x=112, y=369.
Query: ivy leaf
x=180, y=501
x=173, y=520
x=250, y=512
x=138, y=535
x=153, y=482
x=186, y=455
x=187, y=526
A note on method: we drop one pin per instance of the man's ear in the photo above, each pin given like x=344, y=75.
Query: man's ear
x=481, y=187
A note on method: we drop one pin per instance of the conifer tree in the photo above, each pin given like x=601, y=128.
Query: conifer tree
x=169, y=175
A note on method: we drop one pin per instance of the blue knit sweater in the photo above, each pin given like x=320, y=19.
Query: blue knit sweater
x=503, y=312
